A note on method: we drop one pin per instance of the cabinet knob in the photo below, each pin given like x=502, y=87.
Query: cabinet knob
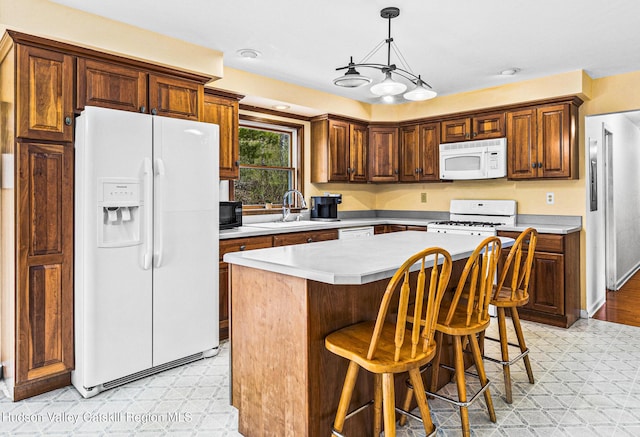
x=466, y=136
x=236, y=163
x=475, y=134
x=143, y=109
x=154, y=111
x=309, y=240
x=243, y=247
x=395, y=171
x=539, y=165
x=417, y=170
x=534, y=165
x=67, y=120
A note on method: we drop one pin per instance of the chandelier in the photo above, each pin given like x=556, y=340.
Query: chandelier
x=389, y=86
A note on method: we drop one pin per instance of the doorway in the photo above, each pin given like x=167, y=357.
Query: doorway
x=613, y=204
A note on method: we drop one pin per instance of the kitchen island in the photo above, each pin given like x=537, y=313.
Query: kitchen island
x=286, y=300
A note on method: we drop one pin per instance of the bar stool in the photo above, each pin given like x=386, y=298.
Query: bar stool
x=512, y=292
x=464, y=318
x=380, y=346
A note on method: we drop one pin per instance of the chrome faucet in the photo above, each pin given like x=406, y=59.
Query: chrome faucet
x=286, y=204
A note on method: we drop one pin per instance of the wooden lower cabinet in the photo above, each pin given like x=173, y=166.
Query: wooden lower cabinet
x=554, y=287
x=385, y=229
x=44, y=277
x=304, y=237
x=226, y=246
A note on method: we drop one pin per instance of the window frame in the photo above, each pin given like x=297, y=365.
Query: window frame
x=297, y=158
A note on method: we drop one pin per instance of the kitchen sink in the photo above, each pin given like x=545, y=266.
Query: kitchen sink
x=292, y=224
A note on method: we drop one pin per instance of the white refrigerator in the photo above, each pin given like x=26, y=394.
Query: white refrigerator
x=146, y=246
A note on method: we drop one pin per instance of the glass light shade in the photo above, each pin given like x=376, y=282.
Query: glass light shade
x=420, y=92
x=388, y=87
x=351, y=79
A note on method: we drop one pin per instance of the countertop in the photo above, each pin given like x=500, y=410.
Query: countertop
x=356, y=261
x=543, y=224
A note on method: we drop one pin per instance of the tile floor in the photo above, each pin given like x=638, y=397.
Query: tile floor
x=587, y=384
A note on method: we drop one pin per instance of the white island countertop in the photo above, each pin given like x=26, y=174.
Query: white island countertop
x=354, y=261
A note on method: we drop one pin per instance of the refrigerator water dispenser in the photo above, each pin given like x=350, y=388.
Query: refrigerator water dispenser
x=119, y=220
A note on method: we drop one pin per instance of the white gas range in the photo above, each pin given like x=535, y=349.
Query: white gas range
x=476, y=217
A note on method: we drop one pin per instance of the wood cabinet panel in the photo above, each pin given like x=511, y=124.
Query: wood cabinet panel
x=383, y=154
x=358, y=153
x=554, y=141
x=409, y=153
x=224, y=113
x=477, y=127
x=175, y=97
x=547, y=283
x=456, y=130
x=522, y=153
x=429, y=152
x=419, y=153
x=338, y=151
x=44, y=304
x=240, y=244
x=110, y=86
x=44, y=107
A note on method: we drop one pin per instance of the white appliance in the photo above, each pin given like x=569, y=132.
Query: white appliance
x=482, y=159
x=146, y=246
x=352, y=233
x=477, y=217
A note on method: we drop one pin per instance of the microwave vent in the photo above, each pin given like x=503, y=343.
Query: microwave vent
x=473, y=144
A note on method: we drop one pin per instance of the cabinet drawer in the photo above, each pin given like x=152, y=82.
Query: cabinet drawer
x=240, y=244
x=304, y=237
x=546, y=242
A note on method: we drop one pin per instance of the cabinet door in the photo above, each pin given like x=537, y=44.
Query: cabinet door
x=409, y=154
x=338, y=151
x=546, y=287
x=173, y=97
x=383, y=154
x=429, y=164
x=224, y=113
x=554, y=146
x=304, y=237
x=44, y=274
x=358, y=149
x=110, y=86
x=522, y=154
x=456, y=130
x=44, y=95
x=488, y=126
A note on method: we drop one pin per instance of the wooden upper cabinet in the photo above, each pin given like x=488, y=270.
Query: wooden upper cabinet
x=358, y=153
x=478, y=127
x=223, y=111
x=541, y=142
x=383, y=154
x=44, y=107
x=111, y=86
x=522, y=152
x=339, y=150
x=175, y=97
x=419, y=152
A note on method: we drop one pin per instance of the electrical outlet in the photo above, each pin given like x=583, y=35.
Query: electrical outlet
x=551, y=198
x=423, y=197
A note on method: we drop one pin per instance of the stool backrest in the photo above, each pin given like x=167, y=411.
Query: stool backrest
x=475, y=285
x=518, y=267
x=429, y=290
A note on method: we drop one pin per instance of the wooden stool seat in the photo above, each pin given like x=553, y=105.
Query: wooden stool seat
x=353, y=341
x=380, y=347
x=503, y=298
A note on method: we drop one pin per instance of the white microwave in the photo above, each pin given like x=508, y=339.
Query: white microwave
x=482, y=159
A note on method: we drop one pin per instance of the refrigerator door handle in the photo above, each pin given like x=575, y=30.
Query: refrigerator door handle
x=160, y=172
x=148, y=214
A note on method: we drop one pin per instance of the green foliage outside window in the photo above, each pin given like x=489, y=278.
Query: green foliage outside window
x=266, y=172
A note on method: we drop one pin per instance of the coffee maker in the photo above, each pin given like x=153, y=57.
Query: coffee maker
x=325, y=208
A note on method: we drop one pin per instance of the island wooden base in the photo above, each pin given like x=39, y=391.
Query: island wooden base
x=284, y=381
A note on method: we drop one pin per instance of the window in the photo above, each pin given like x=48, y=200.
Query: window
x=269, y=161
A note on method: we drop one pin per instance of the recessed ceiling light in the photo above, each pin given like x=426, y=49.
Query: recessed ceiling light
x=248, y=53
x=509, y=71
x=281, y=107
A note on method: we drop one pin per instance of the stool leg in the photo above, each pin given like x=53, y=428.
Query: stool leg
x=515, y=317
x=345, y=397
x=435, y=366
x=377, y=404
x=421, y=398
x=477, y=357
x=389, y=405
x=460, y=382
x=406, y=405
x=504, y=348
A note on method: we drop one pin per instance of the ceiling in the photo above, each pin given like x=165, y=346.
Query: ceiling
x=455, y=45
